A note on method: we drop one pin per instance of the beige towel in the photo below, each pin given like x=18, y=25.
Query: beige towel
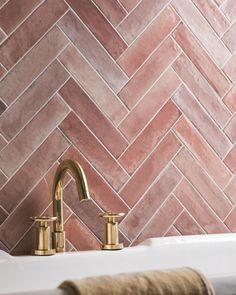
x=182, y=281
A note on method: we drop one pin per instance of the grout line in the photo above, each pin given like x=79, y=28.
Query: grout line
x=3, y=102
x=92, y=100
x=113, y=27
x=229, y=28
x=203, y=109
x=204, y=49
x=158, y=177
x=196, y=128
x=93, y=167
x=227, y=184
x=35, y=186
x=98, y=42
x=139, y=101
x=34, y=150
x=227, y=93
x=143, y=161
x=226, y=124
x=34, y=45
x=20, y=23
x=4, y=4
x=220, y=12
x=192, y=153
x=78, y=115
x=157, y=143
x=186, y=210
x=175, y=228
x=128, y=12
x=197, y=190
x=148, y=122
x=43, y=70
x=140, y=35
x=7, y=177
x=151, y=54
x=29, y=228
x=4, y=69
x=5, y=210
x=149, y=89
x=87, y=227
x=87, y=26
x=19, y=96
x=200, y=42
x=232, y=209
x=38, y=110
x=177, y=217
x=93, y=69
x=158, y=209
x=227, y=60
x=5, y=35
x=1, y=242
x=224, y=13
x=99, y=141
x=219, y=100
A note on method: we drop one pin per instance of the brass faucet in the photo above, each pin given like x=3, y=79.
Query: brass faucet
x=44, y=246
x=57, y=195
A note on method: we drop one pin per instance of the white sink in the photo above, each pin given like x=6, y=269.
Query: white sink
x=214, y=255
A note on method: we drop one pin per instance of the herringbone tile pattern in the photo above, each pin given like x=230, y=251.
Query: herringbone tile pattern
x=141, y=92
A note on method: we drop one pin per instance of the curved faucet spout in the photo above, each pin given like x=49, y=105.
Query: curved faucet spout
x=57, y=194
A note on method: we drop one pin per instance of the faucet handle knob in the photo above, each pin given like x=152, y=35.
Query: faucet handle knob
x=44, y=235
x=43, y=219
x=112, y=232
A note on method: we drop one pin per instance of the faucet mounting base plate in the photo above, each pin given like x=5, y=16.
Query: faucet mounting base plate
x=44, y=252
x=112, y=246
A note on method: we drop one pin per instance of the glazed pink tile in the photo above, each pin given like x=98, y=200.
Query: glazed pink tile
x=136, y=220
x=203, y=183
x=199, y=57
x=14, y=12
x=150, y=169
x=149, y=73
x=201, y=89
x=142, y=146
x=213, y=15
x=32, y=100
x=94, y=52
x=94, y=119
x=202, y=121
x=199, y=209
x=202, y=151
x=99, y=26
x=151, y=38
x=24, y=37
x=94, y=151
x=155, y=98
x=18, y=79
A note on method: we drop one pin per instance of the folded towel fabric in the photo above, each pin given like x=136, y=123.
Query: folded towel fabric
x=182, y=281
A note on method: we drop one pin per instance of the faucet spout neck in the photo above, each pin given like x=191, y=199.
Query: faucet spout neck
x=57, y=193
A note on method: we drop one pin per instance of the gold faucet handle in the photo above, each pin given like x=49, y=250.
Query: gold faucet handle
x=112, y=232
x=111, y=216
x=44, y=235
x=43, y=220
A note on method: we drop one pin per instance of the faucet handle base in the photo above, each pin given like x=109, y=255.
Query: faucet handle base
x=44, y=252
x=44, y=246
x=112, y=231
x=112, y=247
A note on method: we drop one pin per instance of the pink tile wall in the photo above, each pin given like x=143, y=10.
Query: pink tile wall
x=142, y=93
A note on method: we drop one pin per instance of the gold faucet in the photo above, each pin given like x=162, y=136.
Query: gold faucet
x=57, y=195
x=44, y=237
